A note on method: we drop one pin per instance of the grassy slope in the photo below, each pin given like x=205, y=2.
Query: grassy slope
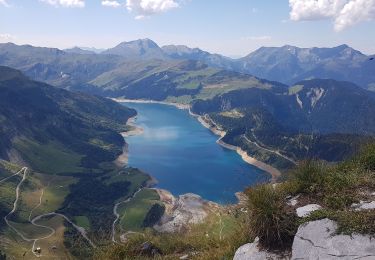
x=51, y=157
x=181, y=81
x=72, y=130
x=55, y=189
x=69, y=139
x=58, y=195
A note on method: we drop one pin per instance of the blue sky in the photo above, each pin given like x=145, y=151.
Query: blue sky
x=232, y=28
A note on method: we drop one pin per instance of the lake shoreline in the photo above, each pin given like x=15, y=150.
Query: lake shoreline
x=144, y=101
x=209, y=124
x=123, y=159
x=275, y=173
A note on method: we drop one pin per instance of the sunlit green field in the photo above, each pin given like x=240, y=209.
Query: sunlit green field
x=133, y=213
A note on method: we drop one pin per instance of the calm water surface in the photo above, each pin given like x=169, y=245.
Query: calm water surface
x=184, y=156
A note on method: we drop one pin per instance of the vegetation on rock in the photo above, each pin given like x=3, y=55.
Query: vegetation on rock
x=334, y=187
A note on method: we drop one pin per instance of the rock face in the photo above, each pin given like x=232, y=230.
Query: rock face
x=316, y=240
x=251, y=251
x=305, y=211
x=182, y=211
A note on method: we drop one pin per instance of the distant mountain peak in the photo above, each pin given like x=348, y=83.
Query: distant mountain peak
x=343, y=46
x=138, y=49
x=145, y=43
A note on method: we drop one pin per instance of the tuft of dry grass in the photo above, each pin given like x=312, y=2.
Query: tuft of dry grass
x=270, y=219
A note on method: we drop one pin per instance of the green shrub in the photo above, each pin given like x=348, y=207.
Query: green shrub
x=153, y=215
x=339, y=188
x=350, y=222
x=335, y=186
x=336, y=180
x=338, y=201
x=367, y=157
x=269, y=218
x=309, y=176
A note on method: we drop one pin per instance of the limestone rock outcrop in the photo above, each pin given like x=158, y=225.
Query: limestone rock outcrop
x=252, y=251
x=317, y=240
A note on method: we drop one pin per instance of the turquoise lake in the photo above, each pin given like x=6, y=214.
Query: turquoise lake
x=184, y=157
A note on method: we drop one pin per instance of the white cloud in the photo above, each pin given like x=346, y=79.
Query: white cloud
x=144, y=8
x=314, y=9
x=111, y=3
x=4, y=3
x=355, y=12
x=344, y=13
x=65, y=3
x=258, y=38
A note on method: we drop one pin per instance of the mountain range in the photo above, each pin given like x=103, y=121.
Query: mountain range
x=287, y=64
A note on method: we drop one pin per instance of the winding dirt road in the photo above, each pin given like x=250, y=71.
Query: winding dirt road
x=24, y=170
x=269, y=150
x=3, y=180
x=118, y=215
x=53, y=231
x=37, y=206
x=81, y=230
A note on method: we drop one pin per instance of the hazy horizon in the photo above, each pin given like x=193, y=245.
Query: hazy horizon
x=222, y=27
